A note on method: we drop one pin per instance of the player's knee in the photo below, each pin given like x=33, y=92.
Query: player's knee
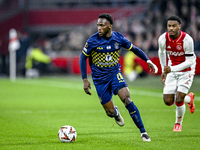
x=179, y=100
x=168, y=99
x=110, y=113
x=124, y=95
x=168, y=102
x=127, y=100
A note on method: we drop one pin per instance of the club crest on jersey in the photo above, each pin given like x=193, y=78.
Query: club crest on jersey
x=116, y=45
x=178, y=47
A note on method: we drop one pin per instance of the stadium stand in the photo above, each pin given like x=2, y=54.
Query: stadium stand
x=65, y=25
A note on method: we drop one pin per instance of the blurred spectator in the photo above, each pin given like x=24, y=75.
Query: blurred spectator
x=59, y=43
x=131, y=68
x=197, y=42
x=76, y=39
x=25, y=42
x=36, y=61
x=0, y=60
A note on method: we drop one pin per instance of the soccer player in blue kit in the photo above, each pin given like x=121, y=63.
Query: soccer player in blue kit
x=102, y=49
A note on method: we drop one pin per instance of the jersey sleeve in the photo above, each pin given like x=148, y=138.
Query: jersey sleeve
x=87, y=48
x=126, y=43
x=162, y=43
x=129, y=46
x=188, y=45
x=83, y=57
x=83, y=65
x=138, y=52
x=162, y=50
x=189, y=61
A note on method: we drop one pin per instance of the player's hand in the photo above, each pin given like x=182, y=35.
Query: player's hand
x=167, y=69
x=87, y=86
x=163, y=77
x=152, y=66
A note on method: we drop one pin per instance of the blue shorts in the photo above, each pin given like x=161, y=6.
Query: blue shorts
x=106, y=90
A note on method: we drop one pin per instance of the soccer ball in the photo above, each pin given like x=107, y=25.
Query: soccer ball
x=67, y=134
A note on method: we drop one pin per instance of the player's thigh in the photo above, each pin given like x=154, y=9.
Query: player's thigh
x=185, y=82
x=104, y=92
x=118, y=82
x=170, y=86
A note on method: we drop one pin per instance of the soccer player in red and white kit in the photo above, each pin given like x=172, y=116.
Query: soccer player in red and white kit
x=177, y=75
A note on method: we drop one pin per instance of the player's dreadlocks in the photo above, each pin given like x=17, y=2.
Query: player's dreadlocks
x=108, y=17
x=174, y=17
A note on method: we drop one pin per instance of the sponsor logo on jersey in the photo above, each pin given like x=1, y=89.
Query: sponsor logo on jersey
x=108, y=47
x=175, y=53
x=108, y=58
x=100, y=48
x=116, y=45
x=169, y=46
x=107, y=64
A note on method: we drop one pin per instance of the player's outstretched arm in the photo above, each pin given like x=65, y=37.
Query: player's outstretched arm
x=152, y=66
x=144, y=57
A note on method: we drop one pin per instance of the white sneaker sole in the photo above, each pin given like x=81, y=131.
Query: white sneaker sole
x=121, y=120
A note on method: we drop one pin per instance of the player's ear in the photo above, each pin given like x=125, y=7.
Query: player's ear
x=110, y=26
x=179, y=26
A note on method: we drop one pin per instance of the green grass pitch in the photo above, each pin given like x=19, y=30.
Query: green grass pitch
x=33, y=110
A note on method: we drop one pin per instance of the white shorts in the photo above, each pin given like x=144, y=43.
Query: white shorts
x=178, y=81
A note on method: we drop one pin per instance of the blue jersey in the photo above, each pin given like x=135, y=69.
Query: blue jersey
x=104, y=55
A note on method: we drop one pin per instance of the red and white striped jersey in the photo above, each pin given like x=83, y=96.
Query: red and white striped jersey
x=180, y=52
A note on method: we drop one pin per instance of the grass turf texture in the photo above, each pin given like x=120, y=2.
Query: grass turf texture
x=32, y=111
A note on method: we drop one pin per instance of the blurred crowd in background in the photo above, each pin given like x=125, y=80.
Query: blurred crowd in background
x=142, y=29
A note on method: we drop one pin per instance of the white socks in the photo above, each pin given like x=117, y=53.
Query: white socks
x=187, y=99
x=180, y=111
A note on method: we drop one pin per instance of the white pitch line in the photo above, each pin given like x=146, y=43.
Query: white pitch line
x=78, y=86
x=83, y=111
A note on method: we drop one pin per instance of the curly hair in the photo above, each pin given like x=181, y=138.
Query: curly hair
x=107, y=17
x=174, y=17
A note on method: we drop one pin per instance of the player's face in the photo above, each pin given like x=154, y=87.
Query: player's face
x=104, y=27
x=173, y=28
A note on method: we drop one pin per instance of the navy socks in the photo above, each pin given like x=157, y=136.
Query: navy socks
x=135, y=115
